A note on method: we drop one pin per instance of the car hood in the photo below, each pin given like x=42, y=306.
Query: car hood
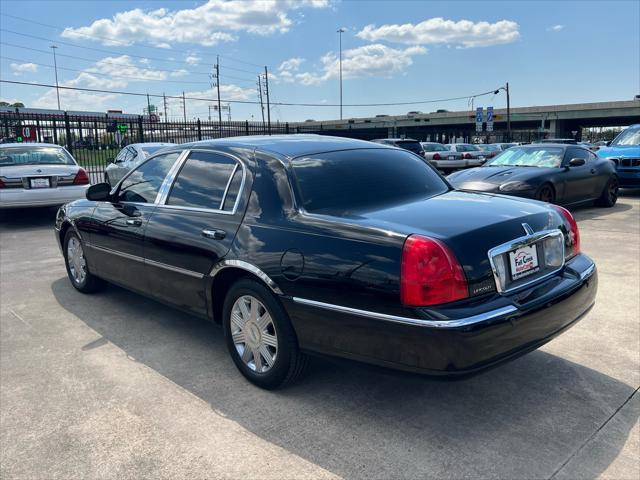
x=469, y=223
x=630, y=151
x=19, y=171
x=494, y=176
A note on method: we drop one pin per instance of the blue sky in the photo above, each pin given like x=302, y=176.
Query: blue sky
x=549, y=52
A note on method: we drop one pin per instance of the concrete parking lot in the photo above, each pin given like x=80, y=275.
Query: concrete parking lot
x=114, y=385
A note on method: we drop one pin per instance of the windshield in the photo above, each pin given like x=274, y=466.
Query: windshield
x=149, y=150
x=341, y=182
x=491, y=148
x=412, y=146
x=434, y=147
x=34, y=156
x=631, y=136
x=528, y=157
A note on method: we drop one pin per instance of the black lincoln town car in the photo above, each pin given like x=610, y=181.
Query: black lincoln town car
x=306, y=243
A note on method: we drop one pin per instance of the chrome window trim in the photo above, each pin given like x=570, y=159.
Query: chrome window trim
x=165, y=187
x=128, y=256
x=222, y=264
x=444, y=324
x=226, y=189
x=521, y=242
x=174, y=174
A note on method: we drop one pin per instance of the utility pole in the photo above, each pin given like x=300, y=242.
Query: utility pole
x=184, y=107
x=217, y=84
x=229, y=112
x=340, y=32
x=209, y=111
x=261, y=103
x=148, y=105
x=164, y=102
x=508, y=114
x=266, y=86
x=55, y=67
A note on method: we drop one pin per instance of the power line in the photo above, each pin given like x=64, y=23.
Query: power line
x=110, y=52
x=249, y=102
x=57, y=27
x=107, y=75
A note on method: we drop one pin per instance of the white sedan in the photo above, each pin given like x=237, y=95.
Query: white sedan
x=129, y=157
x=39, y=175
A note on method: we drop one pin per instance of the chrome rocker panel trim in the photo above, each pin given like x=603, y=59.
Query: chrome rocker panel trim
x=444, y=324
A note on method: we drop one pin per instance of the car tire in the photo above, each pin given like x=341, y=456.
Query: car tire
x=77, y=268
x=546, y=193
x=609, y=195
x=253, y=338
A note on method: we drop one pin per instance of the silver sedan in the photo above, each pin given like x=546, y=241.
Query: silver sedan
x=442, y=158
x=39, y=175
x=129, y=157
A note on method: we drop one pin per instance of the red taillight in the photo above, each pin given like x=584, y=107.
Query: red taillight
x=81, y=178
x=467, y=156
x=573, y=242
x=430, y=273
x=2, y=185
x=436, y=156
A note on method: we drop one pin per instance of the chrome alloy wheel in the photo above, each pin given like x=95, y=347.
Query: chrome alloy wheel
x=76, y=261
x=254, y=334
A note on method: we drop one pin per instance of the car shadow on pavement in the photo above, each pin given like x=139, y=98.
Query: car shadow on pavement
x=524, y=419
x=27, y=218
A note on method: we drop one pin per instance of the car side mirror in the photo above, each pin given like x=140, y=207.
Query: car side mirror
x=608, y=144
x=576, y=162
x=99, y=192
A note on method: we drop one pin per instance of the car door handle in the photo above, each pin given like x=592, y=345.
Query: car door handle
x=593, y=170
x=214, y=234
x=136, y=222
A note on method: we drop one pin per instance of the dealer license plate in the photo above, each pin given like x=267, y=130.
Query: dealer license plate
x=524, y=261
x=39, y=183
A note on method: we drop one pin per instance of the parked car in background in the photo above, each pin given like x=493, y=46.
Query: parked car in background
x=441, y=157
x=308, y=243
x=490, y=150
x=564, y=141
x=553, y=173
x=624, y=152
x=473, y=154
x=406, y=143
x=129, y=157
x=39, y=175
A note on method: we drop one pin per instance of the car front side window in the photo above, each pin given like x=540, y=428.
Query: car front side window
x=143, y=183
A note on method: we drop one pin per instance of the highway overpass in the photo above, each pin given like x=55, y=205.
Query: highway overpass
x=527, y=123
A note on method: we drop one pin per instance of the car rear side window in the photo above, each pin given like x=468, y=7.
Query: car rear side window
x=143, y=184
x=202, y=181
x=340, y=182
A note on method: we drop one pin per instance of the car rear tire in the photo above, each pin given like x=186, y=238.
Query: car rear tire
x=77, y=268
x=260, y=337
x=546, y=193
x=609, y=195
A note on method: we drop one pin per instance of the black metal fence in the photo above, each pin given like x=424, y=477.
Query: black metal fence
x=94, y=141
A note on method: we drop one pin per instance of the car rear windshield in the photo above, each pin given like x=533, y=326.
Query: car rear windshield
x=336, y=183
x=529, y=157
x=434, y=147
x=149, y=150
x=34, y=156
x=410, y=145
x=467, y=147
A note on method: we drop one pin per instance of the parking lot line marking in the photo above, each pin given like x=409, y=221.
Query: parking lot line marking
x=21, y=319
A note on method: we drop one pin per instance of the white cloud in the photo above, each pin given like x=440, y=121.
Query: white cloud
x=555, y=28
x=192, y=59
x=437, y=30
x=180, y=73
x=208, y=24
x=373, y=60
x=20, y=68
x=287, y=69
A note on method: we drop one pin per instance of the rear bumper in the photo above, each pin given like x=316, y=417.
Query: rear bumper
x=45, y=197
x=449, y=163
x=454, y=341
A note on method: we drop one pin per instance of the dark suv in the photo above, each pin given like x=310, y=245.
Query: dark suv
x=406, y=143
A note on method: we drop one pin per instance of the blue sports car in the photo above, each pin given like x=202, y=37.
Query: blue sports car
x=624, y=151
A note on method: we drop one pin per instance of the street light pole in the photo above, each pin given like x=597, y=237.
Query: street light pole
x=55, y=67
x=506, y=89
x=340, y=32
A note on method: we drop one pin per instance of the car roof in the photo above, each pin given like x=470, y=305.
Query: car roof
x=29, y=144
x=151, y=144
x=292, y=146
